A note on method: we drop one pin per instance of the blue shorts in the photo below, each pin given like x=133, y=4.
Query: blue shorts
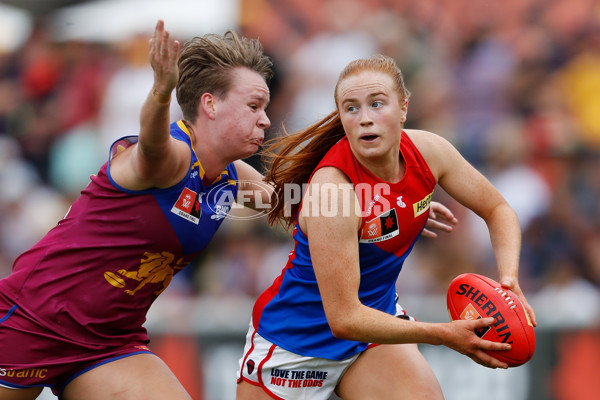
x=31, y=355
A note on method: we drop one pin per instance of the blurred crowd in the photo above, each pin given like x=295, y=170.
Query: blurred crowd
x=513, y=84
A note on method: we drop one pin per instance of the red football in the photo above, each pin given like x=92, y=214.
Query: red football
x=472, y=296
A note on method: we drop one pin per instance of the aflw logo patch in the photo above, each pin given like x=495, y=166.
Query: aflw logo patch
x=188, y=206
x=380, y=228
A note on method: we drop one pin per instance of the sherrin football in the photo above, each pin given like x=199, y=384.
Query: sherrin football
x=472, y=296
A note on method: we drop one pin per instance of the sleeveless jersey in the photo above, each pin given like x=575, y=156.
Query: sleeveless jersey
x=94, y=276
x=290, y=313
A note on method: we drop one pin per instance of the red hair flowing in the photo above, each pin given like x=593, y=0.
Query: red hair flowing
x=291, y=159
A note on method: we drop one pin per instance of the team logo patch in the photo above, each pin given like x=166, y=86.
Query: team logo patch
x=380, y=228
x=469, y=314
x=188, y=206
x=250, y=366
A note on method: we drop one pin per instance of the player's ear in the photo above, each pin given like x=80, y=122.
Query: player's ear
x=404, y=109
x=207, y=105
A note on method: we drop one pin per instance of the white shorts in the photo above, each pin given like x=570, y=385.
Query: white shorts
x=286, y=375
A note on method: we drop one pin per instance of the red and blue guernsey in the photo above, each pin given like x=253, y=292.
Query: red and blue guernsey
x=94, y=276
x=290, y=313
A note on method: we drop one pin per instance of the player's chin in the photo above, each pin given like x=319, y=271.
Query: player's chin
x=253, y=149
x=249, y=147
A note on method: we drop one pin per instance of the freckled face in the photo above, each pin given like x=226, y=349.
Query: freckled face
x=241, y=113
x=372, y=114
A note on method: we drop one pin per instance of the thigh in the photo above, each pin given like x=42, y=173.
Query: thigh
x=140, y=376
x=19, y=394
x=391, y=371
x=248, y=391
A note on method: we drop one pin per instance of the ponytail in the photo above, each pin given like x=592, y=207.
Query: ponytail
x=291, y=159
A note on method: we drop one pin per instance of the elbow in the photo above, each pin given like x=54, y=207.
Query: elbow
x=502, y=213
x=346, y=319
x=341, y=328
x=341, y=333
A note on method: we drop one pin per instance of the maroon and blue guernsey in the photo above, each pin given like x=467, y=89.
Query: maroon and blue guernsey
x=94, y=276
x=290, y=313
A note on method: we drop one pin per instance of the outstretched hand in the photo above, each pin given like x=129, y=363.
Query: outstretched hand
x=163, y=57
x=440, y=218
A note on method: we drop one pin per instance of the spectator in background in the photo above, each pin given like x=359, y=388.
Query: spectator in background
x=125, y=90
x=341, y=38
x=580, y=82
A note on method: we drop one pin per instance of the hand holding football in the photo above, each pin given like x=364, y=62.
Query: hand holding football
x=472, y=296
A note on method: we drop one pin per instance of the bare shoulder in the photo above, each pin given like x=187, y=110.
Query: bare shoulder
x=329, y=201
x=329, y=175
x=438, y=152
x=121, y=170
x=425, y=139
x=132, y=170
x=247, y=172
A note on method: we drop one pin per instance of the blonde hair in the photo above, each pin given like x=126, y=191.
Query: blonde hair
x=206, y=63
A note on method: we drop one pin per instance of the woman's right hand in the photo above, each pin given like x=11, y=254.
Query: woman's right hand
x=164, y=54
x=460, y=336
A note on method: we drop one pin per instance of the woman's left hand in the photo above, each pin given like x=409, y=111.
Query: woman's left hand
x=516, y=289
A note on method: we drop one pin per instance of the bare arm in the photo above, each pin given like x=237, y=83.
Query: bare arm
x=253, y=191
x=334, y=251
x=157, y=160
x=470, y=188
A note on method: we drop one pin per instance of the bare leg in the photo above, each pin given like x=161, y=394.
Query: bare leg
x=247, y=391
x=387, y=372
x=142, y=376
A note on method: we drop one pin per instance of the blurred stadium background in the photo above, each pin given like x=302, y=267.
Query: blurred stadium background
x=514, y=84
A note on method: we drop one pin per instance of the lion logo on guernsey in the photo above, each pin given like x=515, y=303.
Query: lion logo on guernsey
x=154, y=268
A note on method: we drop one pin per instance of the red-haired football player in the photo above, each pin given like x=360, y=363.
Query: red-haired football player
x=370, y=184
